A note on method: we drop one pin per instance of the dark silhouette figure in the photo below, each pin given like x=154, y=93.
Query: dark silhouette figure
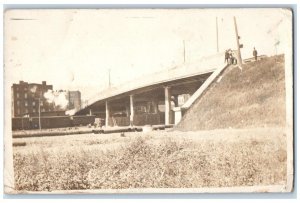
x=233, y=59
x=255, y=53
x=230, y=57
x=227, y=56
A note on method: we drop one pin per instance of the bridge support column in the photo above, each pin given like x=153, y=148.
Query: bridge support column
x=167, y=105
x=107, y=114
x=178, y=115
x=131, y=110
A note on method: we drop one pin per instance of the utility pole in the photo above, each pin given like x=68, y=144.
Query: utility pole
x=217, y=30
x=239, y=57
x=40, y=113
x=22, y=123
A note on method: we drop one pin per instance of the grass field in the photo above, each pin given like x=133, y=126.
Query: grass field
x=154, y=160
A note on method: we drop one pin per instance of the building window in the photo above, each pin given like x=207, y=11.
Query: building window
x=43, y=110
x=26, y=110
x=33, y=103
x=18, y=95
x=41, y=103
x=33, y=110
x=18, y=111
x=25, y=95
x=18, y=103
x=26, y=104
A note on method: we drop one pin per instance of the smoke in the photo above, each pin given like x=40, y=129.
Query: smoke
x=71, y=112
x=49, y=96
x=58, y=98
x=33, y=89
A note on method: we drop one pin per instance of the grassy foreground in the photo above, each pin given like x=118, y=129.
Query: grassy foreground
x=153, y=160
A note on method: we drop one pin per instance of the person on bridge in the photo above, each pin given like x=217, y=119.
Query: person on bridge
x=227, y=56
x=233, y=59
x=230, y=59
x=255, y=53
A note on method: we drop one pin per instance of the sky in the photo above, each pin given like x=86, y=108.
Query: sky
x=76, y=49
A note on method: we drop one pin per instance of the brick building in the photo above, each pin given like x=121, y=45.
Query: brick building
x=26, y=96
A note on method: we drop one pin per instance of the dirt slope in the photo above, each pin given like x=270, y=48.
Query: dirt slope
x=251, y=97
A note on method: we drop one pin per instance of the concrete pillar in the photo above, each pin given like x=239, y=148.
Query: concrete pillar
x=178, y=114
x=131, y=110
x=107, y=114
x=167, y=105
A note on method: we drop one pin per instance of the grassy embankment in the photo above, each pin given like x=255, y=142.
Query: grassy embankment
x=253, y=97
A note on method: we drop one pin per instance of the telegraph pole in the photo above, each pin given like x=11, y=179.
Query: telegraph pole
x=109, y=84
x=239, y=57
x=40, y=114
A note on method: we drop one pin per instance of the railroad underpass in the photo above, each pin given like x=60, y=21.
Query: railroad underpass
x=146, y=106
x=153, y=99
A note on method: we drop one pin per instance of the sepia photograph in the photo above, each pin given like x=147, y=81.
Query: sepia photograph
x=112, y=101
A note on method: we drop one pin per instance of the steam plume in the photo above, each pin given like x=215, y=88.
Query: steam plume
x=58, y=98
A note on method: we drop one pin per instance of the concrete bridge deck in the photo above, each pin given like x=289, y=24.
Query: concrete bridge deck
x=159, y=88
